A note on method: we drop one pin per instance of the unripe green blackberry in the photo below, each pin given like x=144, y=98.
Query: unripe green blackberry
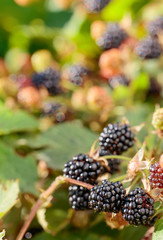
x=157, y=120
x=77, y=73
x=138, y=208
x=112, y=37
x=118, y=80
x=50, y=79
x=116, y=138
x=156, y=175
x=148, y=48
x=94, y=6
x=78, y=197
x=83, y=168
x=156, y=26
x=108, y=196
x=113, y=163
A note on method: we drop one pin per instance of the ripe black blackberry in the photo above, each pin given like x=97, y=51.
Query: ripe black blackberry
x=113, y=36
x=78, y=197
x=148, y=48
x=94, y=6
x=77, y=74
x=50, y=79
x=113, y=163
x=108, y=196
x=138, y=208
x=156, y=26
x=83, y=168
x=118, y=80
x=156, y=175
x=116, y=138
x=55, y=110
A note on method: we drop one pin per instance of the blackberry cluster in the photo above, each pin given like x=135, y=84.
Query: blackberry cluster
x=118, y=80
x=77, y=73
x=83, y=168
x=156, y=26
x=113, y=163
x=148, y=48
x=78, y=197
x=112, y=37
x=138, y=208
x=108, y=196
x=94, y=6
x=116, y=138
x=156, y=176
x=50, y=79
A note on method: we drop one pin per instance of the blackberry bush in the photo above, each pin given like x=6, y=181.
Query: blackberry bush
x=78, y=197
x=112, y=37
x=148, y=48
x=77, y=74
x=50, y=79
x=156, y=175
x=108, y=196
x=83, y=168
x=94, y=6
x=113, y=164
x=138, y=208
x=116, y=138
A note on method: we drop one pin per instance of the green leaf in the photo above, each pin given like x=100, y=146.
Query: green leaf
x=8, y=195
x=64, y=141
x=16, y=121
x=13, y=166
x=141, y=82
x=158, y=232
x=132, y=232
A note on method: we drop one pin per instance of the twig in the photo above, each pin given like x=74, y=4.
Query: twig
x=55, y=184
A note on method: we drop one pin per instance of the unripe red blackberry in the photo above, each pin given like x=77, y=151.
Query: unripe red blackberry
x=156, y=26
x=156, y=175
x=50, y=79
x=108, y=196
x=148, y=48
x=113, y=36
x=118, y=80
x=94, y=6
x=138, y=208
x=78, y=197
x=113, y=163
x=83, y=168
x=77, y=73
x=116, y=138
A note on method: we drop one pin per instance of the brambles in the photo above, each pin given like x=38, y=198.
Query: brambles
x=148, y=48
x=83, y=168
x=113, y=36
x=156, y=175
x=116, y=138
x=94, y=6
x=107, y=196
x=138, y=208
x=78, y=197
x=50, y=79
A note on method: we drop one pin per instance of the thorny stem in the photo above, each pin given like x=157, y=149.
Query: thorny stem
x=43, y=197
x=117, y=157
x=136, y=179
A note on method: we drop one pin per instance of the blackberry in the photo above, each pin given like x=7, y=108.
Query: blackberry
x=112, y=37
x=83, y=168
x=55, y=110
x=156, y=26
x=156, y=176
x=116, y=138
x=50, y=79
x=138, y=208
x=78, y=197
x=118, y=80
x=148, y=48
x=77, y=74
x=113, y=163
x=94, y=6
x=108, y=196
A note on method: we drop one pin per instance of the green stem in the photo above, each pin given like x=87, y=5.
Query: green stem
x=158, y=212
x=158, y=146
x=117, y=157
x=118, y=178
